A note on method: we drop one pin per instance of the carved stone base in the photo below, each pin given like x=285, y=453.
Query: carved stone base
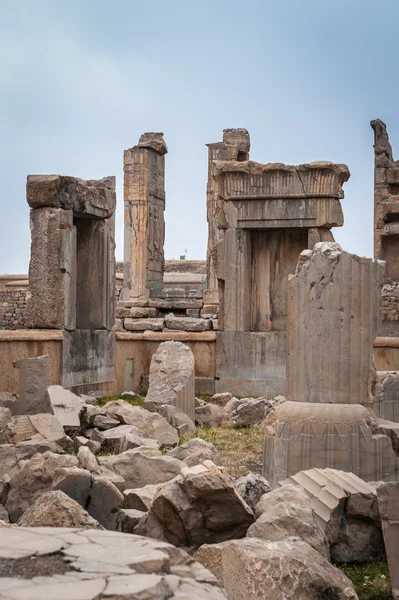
x=337, y=436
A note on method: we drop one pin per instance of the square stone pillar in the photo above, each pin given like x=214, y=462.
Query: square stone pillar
x=144, y=236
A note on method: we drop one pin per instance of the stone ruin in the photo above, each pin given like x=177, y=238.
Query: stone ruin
x=72, y=272
x=283, y=314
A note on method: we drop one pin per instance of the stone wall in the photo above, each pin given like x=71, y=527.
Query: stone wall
x=12, y=309
x=390, y=310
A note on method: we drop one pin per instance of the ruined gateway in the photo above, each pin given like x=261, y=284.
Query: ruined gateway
x=253, y=322
x=283, y=327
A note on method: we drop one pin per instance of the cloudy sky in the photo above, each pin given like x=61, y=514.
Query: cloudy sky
x=80, y=80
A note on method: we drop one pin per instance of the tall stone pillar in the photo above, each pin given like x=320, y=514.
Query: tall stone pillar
x=235, y=146
x=144, y=196
x=333, y=318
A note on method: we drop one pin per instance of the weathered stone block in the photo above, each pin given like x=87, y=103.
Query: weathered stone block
x=337, y=436
x=90, y=198
x=186, y=323
x=388, y=501
x=34, y=378
x=172, y=378
x=330, y=346
x=144, y=324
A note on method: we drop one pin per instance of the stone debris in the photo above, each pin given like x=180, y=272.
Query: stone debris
x=95, y=565
x=346, y=509
x=140, y=498
x=128, y=519
x=9, y=401
x=199, y=506
x=196, y=451
x=56, y=509
x=287, y=569
x=250, y=412
x=37, y=427
x=252, y=487
x=171, y=380
x=287, y=512
x=140, y=467
x=210, y=415
x=149, y=425
x=66, y=406
x=222, y=398
x=178, y=420
x=34, y=378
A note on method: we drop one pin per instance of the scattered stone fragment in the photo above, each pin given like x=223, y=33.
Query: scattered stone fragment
x=196, y=451
x=12, y=454
x=8, y=401
x=288, y=569
x=105, y=422
x=111, y=439
x=252, y=487
x=178, y=420
x=56, y=509
x=86, y=458
x=250, y=412
x=140, y=498
x=172, y=378
x=34, y=477
x=34, y=378
x=74, y=482
x=129, y=395
x=209, y=415
x=42, y=426
x=149, y=425
x=104, y=502
x=200, y=506
x=222, y=398
x=346, y=509
x=140, y=468
x=287, y=512
x=5, y=418
x=131, y=440
x=66, y=406
x=81, y=441
x=128, y=518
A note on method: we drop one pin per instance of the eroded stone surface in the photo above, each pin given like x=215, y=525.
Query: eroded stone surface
x=288, y=569
x=172, y=378
x=95, y=565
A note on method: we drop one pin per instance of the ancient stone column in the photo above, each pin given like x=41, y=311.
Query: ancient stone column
x=333, y=319
x=235, y=146
x=144, y=195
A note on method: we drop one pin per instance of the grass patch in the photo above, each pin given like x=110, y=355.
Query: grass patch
x=371, y=580
x=138, y=401
x=241, y=450
x=205, y=397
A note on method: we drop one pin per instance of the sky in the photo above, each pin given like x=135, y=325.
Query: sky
x=81, y=80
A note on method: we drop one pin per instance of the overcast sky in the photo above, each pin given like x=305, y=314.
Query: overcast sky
x=80, y=80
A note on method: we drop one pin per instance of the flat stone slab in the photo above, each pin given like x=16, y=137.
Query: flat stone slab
x=77, y=564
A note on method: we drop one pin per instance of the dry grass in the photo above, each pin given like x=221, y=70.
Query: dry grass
x=241, y=449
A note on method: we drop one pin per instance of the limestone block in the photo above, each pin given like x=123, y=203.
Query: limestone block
x=91, y=198
x=144, y=324
x=52, y=270
x=336, y=436
x=66, y=405
x=386, y=395
x=288, y=569
x=39, y=427
x=287, y=512
x=201, y=505
x=56, y=509
x=333, y=320
x=388, y=501
x=172, y=378
x=346, y=509
x=196, y=451
x=186, y=323
x=34, y=378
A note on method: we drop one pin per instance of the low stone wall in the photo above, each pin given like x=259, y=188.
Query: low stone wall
x=12, y=309
x=16, y=345
x=133, y=353
x=390, y=309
